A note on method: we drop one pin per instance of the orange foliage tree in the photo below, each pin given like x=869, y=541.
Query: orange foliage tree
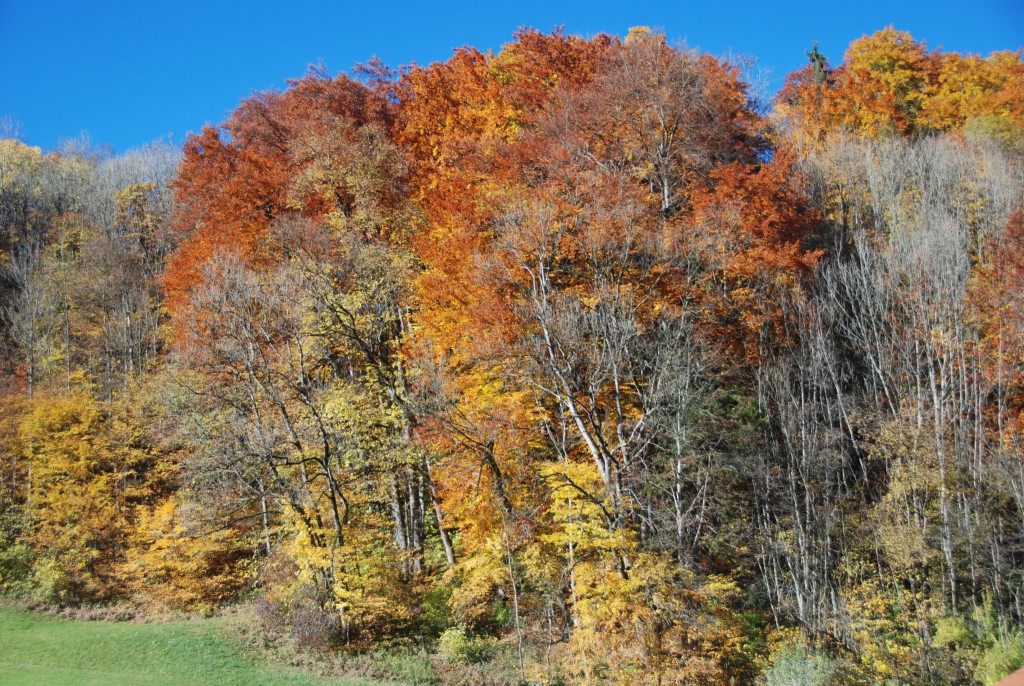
x=890, y=83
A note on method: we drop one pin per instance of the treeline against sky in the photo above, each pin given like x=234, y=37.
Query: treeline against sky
x=571, y=360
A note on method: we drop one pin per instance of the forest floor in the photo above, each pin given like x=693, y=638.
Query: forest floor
x=37, y=650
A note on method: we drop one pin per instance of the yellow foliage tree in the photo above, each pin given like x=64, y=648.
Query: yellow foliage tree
x=85, y=468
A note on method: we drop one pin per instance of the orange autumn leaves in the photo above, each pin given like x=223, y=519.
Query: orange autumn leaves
x=458, y=138
x=889, y=83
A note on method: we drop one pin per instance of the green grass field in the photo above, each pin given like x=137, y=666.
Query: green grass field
x=44, y=651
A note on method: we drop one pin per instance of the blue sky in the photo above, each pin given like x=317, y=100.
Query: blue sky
x=128, y=73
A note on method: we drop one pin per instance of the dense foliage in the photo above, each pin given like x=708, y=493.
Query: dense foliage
x=571, y=354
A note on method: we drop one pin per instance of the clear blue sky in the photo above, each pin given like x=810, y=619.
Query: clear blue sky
x=127, y=73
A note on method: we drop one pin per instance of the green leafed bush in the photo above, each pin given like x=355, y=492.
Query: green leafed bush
x=797, y=665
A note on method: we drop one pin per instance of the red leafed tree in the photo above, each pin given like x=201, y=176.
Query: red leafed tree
x=752, y=228
x=237, y=178
x=996, y=297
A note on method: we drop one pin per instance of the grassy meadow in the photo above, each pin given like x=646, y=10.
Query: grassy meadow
x=46, y=651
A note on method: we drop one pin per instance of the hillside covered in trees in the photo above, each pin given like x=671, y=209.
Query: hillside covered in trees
x=573, y=364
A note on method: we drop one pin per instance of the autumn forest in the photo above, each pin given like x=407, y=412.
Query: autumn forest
x=576, y=363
